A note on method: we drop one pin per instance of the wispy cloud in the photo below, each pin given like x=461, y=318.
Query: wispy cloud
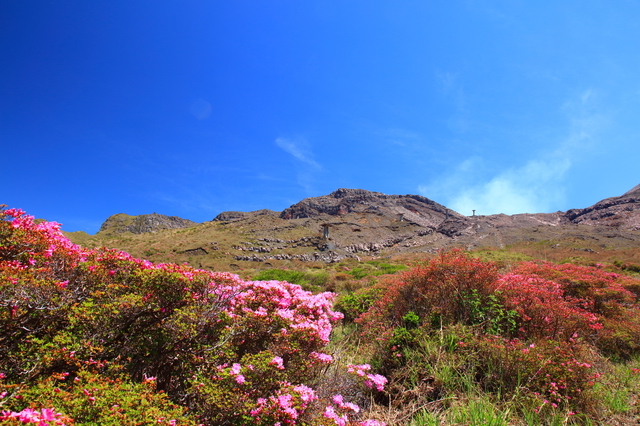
x=306, y=166
x=401, y=137
x=532, y=188
x=200, y=109
x=451, y=87
x=535, y=186
x=299, y=148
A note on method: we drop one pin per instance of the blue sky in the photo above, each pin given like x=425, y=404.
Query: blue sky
x=194, y=107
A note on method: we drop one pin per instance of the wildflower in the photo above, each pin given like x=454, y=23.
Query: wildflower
x=278, y=362
x=325, y=358
x=377, y=380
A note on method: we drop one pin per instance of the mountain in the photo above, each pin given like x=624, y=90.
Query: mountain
x=355, y=223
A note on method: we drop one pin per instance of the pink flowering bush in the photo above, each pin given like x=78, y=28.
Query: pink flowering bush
x=544, y=310
x=87, y=333
x=43, y=417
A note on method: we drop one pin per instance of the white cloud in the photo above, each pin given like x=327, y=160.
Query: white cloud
x=534, y=187
x=299, y=148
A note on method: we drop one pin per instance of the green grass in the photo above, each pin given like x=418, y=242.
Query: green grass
x=501, y=256
x=476, y=412
x=312, y=281
x=374, y=268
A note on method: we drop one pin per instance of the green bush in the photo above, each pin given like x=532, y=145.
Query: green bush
x=354, y=304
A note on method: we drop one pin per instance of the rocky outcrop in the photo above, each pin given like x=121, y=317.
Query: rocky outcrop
x=326, y=257
x=198, y=251
x=620, y=212
x=121, y=223
x=232, y=216
x=412, y=208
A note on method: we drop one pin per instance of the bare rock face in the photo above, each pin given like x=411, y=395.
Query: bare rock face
x=337, y=203
x=120, y=223
x=621, y=212
x=413, y=208
x=635, y=191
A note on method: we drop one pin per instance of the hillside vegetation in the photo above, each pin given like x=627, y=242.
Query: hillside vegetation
x=491, y=337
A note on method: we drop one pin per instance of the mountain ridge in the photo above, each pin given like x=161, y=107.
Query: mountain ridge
x=352, y=223
x=420, y=209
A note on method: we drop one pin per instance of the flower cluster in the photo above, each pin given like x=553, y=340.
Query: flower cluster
x=44, y=417
x=285, y=407
x=371, y=380
x=340, y=411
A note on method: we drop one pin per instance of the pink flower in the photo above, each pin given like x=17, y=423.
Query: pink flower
x=28, y=415
x=358, y=369
x=48, y=414
x=372, y=423
x=325, y=358
x=278, y=362
x=377, y=380
x=306, y=393
x=330, y=413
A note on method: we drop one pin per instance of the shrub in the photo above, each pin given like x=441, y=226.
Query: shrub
x=104, y=338
x=569, y=301
x=455, y=323
x=552, y=374
x=354, y=304
x=308, y=281
x=445, y=290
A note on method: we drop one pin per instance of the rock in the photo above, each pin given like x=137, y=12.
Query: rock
x=198, y=251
